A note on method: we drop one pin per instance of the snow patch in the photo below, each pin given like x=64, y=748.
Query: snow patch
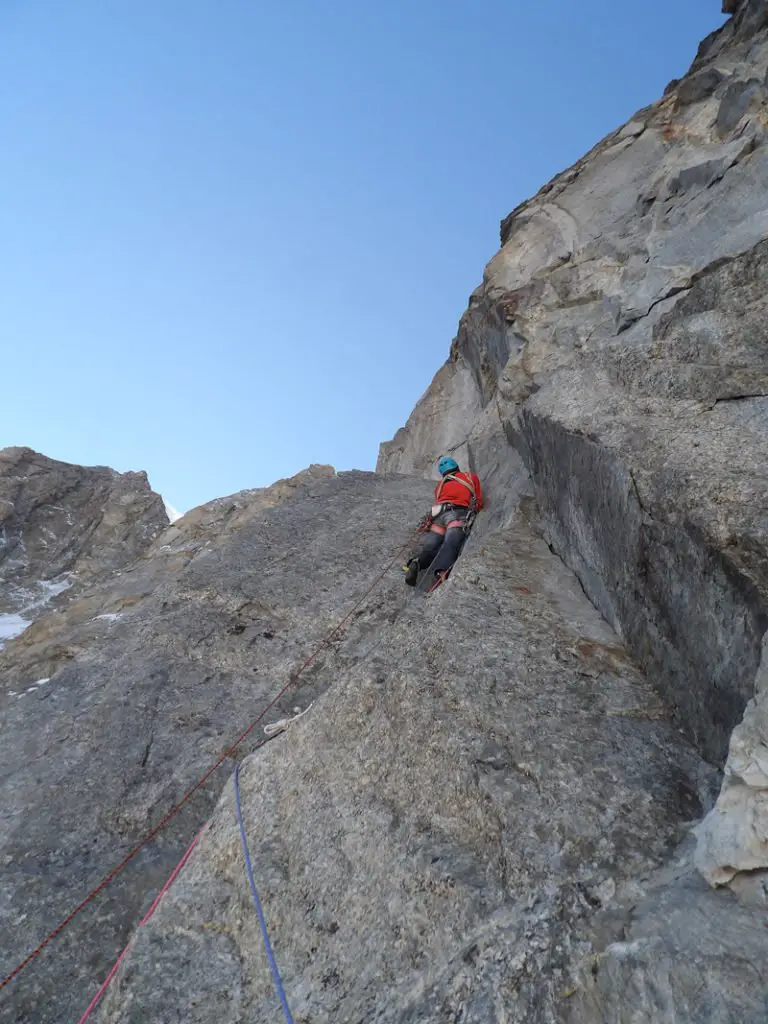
x=30, y=689
x=110, y=616
x=53, y=588
x=34, y=598
x=171, y=512
x=11, y=626
x=622, y=950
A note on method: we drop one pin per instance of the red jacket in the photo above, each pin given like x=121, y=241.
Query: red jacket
x=451, y=492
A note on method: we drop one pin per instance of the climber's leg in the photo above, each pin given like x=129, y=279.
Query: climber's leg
x=449, y=550
x=425, y=557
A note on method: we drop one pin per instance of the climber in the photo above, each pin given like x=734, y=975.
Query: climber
x=458, y=497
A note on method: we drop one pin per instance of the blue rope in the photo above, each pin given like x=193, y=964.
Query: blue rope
x=257, y=902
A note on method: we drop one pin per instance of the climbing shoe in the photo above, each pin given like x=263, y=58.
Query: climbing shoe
x=411, y=571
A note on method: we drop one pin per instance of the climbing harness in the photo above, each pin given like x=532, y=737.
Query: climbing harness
x=155, y=903
x=277, y=727
x=257, y=903
x=428, y=584
x=439, y=507
x=441, y=530
x=227, y=753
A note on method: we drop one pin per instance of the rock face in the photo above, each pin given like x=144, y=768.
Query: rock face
x=733, y=839
x=503, y=804
x=62, y=525
x=111, y=708
x=484, y=790
x=481, y=806
x=617, y=346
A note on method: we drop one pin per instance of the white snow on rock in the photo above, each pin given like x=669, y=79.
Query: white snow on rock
x=172, y=513
x=53, y=588
x=30, y=689
x=31, y=601
x=11, y=626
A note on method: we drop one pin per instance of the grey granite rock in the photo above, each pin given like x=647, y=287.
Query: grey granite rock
x=113, y=706
x=435, y=838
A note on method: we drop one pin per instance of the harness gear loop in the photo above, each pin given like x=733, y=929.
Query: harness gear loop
x=457, y=522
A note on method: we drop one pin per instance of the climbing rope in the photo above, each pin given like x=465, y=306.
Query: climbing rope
x=257, y=903
x=229, y=752
x=275, y=728
x=155, y=903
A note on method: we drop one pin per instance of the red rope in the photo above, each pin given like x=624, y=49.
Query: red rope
x=105, y=985
x=201, y=782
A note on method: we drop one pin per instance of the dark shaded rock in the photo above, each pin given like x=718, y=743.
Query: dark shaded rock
x=738, y=98
x=691, y=617
x=697, y=87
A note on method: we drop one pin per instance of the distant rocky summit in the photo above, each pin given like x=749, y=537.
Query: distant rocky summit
x=539, y=796
x=62, y=525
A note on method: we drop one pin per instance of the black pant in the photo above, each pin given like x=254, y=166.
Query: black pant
x=440, y=551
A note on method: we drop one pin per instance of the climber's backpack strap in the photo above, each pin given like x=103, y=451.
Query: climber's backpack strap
x=457, y=480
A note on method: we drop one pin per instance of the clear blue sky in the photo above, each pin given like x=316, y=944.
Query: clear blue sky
x=237, y=236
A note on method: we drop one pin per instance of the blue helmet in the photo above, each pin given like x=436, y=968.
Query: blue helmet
x=447, y=465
